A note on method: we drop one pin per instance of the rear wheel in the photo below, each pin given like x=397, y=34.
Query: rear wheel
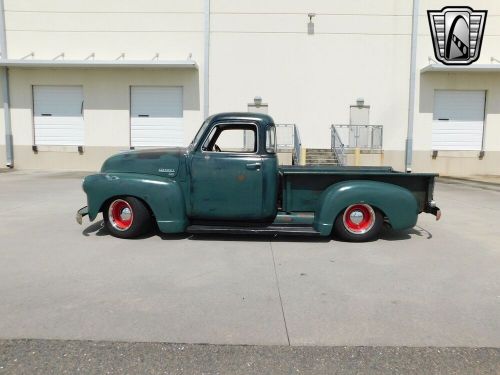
x=127, y=217
x=358, y=223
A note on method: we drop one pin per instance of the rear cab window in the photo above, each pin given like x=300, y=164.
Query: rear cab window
x=271, y=140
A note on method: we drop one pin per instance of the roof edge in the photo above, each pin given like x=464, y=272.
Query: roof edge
x=479, y=68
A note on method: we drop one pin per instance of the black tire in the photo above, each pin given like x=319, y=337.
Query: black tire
x=346, y=229
x=140, y=222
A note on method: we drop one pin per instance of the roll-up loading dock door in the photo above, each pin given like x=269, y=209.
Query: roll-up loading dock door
x=156, y=116
x=458, y=120
x=58, y=115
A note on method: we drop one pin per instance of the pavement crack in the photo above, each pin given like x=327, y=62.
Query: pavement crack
x=279, y=292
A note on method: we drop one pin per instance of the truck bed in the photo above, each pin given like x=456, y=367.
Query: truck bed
x=303, y=185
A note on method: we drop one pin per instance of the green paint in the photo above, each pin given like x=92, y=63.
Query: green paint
x=193, y=184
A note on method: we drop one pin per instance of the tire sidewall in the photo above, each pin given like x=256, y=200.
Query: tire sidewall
x=140, y=224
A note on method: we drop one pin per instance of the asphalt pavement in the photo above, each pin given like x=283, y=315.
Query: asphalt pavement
x=84, y=357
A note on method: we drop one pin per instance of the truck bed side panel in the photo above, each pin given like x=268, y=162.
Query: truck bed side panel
x=303, y=190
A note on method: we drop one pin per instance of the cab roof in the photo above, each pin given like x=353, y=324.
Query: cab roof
x=238, y=116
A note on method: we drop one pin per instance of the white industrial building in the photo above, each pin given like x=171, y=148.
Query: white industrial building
x=86, y=79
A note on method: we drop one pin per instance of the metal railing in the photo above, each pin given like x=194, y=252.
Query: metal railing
x=338, y=146
x=288, y=138
x=365, y=137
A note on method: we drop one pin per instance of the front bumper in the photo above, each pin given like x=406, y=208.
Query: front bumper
x=84, y=211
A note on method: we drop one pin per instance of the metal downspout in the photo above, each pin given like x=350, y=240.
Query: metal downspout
x=411, y=100
x=206, y=60
x=9, y=147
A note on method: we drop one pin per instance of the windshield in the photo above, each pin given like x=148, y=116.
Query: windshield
x=196, y=139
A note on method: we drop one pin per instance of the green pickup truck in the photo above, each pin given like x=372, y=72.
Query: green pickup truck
x=228, y=181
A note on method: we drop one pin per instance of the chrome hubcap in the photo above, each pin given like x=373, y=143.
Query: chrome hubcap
x=126, y=214
x=356, y=217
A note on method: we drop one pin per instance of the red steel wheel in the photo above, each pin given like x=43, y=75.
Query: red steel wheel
x=358, y=218
x=127, y=217
x=120, y=214
x=358, y=222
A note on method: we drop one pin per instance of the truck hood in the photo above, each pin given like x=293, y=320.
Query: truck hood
x=160, y=162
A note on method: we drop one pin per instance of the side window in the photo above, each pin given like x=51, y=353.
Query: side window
x=271, y=140
x=232, y=138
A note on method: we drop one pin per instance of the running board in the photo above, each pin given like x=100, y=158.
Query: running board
x=263, y=230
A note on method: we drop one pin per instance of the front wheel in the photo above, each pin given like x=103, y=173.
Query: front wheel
x=127, y=217
x=359, y=223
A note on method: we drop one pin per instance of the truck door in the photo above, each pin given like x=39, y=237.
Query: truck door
x=226, y=174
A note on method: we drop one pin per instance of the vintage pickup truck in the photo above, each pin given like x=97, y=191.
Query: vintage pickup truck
x=228, y=181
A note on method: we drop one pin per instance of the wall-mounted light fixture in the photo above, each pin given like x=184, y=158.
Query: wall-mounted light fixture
x=310, y=25
x=258, y=106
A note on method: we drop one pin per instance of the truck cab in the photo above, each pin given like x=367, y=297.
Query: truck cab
x=233, y=169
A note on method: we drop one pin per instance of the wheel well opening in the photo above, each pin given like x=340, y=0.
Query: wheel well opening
x=386, y=218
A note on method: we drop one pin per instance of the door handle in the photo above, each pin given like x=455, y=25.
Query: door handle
x=253, y=166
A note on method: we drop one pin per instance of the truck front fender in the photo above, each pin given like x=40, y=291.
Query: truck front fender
x=397, y=203
x=163, y=196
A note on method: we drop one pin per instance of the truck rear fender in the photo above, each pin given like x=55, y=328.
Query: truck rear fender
x=396, y=203
x=163, y=196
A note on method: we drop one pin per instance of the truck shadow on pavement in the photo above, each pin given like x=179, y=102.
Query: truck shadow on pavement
x=399, y=235
x=98, y=229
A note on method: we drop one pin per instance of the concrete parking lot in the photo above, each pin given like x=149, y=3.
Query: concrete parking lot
x=435, y=285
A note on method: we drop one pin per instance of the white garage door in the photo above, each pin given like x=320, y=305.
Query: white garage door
x=58, y=115
x=458, y=120
x=156, y=116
